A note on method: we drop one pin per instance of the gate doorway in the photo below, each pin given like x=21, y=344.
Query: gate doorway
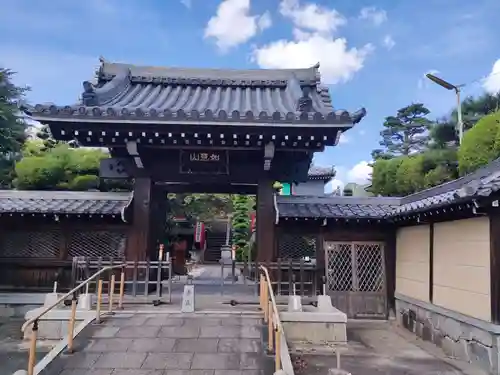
x=355, y=278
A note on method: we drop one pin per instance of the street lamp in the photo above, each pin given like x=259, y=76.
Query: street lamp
x=449, y=86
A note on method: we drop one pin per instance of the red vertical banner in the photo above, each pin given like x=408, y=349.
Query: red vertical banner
x=253, y=219
x=199, y=234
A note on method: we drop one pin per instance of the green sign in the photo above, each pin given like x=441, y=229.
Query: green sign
x=286, y=189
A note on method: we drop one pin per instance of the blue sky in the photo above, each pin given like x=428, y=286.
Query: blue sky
x=372, y=53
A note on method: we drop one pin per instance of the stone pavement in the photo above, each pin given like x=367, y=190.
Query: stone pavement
x=168, y=344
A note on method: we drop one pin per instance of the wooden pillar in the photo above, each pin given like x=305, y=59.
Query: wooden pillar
x=265, y=220
x=390, y=265
x=139, y=241
x=495, y=267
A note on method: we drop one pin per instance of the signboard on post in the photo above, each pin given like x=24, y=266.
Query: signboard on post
x=204, y=162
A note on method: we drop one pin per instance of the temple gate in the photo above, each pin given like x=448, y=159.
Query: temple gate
x=200, y=130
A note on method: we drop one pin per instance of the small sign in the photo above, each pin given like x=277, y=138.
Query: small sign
x=204, y=161
x=188, y=299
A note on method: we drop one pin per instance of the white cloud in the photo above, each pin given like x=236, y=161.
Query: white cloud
x=311, y=16
x=234, y=25
x=423, y=80
x=388, y=42
x=338, y=62
x=343, y=139
x=492, y=83
x=313, y=41
x=374, y=15
x=187, y=3
x=360, y=173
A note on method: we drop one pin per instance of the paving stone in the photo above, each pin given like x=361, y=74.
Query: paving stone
x=128, y=322
x=196, y=345
x=164, y=321
x=203, y=322
x=152, y=345
x=220, y=331
x=138, y=332
x=189, y=372
x=86, y=372
x=184, y=332
x=137, y=372
x=123, y=360
x=241, y=321
x=108, y=345
x=249, y=332
x=250, y=361
x=239, y=345
x=174, y=361
x=239, y=372
x=215, y=361
x=81, y=360
x=105, y=332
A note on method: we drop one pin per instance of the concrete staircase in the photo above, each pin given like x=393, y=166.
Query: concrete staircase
x=216, y=238
x=154, y=344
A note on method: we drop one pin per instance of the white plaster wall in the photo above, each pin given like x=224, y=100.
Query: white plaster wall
x=412, y=261
x=462, y=267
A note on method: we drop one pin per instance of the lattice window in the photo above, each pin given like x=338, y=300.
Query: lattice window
x=31, y=244
x=340, y=270
x=94, y=244
x=293, y=246
x=370, y=267
x=355, y=267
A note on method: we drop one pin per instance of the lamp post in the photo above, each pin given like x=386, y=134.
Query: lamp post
x=456, y=88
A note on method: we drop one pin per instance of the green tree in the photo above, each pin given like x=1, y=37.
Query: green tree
x=58, y=168
x=241, y=224
x=12, y=126
x=404, y=133
x=479, y=145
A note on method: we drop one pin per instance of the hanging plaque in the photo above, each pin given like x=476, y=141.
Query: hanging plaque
x=204, y=161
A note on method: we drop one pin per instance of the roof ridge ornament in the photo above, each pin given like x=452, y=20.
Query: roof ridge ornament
x=305, y=104
x=89, y=96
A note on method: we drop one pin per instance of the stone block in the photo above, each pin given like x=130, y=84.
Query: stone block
x=484, y=337
x=235, y=345
x=452, y=328
x=448, y=346
x=481, y=355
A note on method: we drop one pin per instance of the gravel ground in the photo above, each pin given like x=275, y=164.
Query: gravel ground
x=376, y=349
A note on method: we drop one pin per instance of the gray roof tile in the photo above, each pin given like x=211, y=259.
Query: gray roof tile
x=482, y=183
x=321, y=173
x=335, y=207
x=62, y=202
x=175, y=94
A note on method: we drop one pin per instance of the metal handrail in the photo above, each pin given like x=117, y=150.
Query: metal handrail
x=71, y=292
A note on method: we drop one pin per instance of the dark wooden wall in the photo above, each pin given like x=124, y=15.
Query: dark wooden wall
x=36, y=251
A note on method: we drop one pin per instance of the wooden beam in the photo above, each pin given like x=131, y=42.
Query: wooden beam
x=495, y=267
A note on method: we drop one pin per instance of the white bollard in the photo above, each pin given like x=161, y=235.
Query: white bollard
x=21, y=372
x=294, y=303
x=85, y=302
x=325, y=303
